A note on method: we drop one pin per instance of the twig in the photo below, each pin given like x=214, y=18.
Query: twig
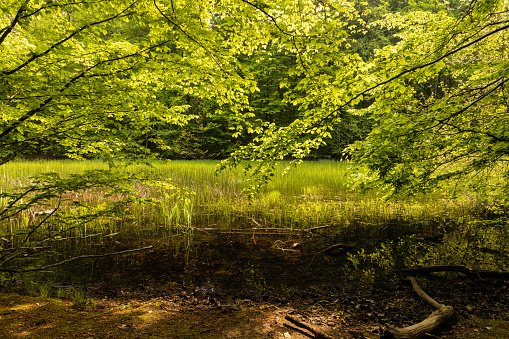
x=317, y=333
x=76, y=258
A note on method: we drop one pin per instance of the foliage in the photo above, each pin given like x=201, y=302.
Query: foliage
x=437, y=97
x=442, y=111
x=113, y=79
x=81, y=78
x=390, y=256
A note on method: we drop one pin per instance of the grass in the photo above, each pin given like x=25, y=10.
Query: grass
x=313, y=194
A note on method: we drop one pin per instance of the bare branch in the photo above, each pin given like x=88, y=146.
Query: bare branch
x=76, y=258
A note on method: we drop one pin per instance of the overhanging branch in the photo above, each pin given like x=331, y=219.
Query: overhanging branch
x=70, y=36
x=410, y=70
x=7, y=30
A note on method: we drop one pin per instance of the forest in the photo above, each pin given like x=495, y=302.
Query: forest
x=254, y=168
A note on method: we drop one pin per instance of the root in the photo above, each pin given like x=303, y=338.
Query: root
x=436, y=319
x=318, y=334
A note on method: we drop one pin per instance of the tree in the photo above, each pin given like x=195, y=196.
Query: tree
x=438, y=97
x=442, y=106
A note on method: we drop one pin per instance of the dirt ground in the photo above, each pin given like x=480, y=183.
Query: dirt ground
x=482, y=311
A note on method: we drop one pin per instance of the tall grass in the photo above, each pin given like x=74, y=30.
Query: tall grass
x=314, y=194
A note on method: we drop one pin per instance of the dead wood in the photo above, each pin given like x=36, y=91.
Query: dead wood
x=76, y=258
x=261, y=229
x=318, y=334
x=458, y=268
x=436, y=319
x=337, y=249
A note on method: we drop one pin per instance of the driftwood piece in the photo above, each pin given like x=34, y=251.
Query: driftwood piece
x=457, y=268
x=442, y=315
x=316, y=332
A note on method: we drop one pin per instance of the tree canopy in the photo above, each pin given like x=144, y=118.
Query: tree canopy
x=441, y=106
x=118, y=79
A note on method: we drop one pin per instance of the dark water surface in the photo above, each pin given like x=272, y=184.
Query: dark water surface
x=255, y=266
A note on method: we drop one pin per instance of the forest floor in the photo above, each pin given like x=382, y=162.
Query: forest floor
x=243, y=290
x=482, y=311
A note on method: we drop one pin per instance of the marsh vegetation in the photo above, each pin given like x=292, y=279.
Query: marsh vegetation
x=186, y=199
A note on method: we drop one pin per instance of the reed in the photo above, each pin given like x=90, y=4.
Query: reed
x=313, y=194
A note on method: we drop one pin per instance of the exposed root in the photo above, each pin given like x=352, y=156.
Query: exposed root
x=442, y=315
x=318, y=334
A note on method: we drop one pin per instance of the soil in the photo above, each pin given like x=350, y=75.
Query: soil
x=243, y=290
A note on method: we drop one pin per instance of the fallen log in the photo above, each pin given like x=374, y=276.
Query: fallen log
x=457, y=268
x=436, y=319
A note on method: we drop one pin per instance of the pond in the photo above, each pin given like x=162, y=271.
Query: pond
x=223, y=264
x=243, y=263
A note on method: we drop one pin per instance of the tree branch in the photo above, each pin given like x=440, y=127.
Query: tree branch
x=7, y=30
x=70, y=36
x=187, y=34
x=75, y=258
x=270, y=17
x=82, y=74
x=444, y=121
x=410, y=70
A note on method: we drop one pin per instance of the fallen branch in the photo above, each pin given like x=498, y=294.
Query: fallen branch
x=316, y=228
x=316, y=332
x=337, y=250
x=279, y=229
x=75, y=258
x=457, y=268
x=433, y=322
